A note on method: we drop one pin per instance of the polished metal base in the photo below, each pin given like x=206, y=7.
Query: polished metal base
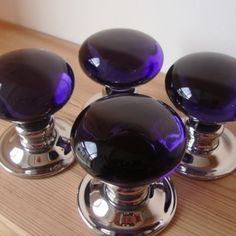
x=220, y=162
x=16, y=160
x=147, y=218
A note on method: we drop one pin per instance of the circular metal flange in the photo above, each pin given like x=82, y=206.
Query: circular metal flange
x=16, y=160
x=217, y=164
x=147, y=218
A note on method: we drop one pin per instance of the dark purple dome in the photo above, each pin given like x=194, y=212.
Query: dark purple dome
x=34, y=84
x=121, y=58
x=128, y=140
x=203, y=85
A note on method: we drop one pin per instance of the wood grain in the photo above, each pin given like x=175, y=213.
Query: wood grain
x=48, y=206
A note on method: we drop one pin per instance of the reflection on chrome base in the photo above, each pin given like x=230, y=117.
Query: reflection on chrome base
x=18, y=155
x=212, y=165
x=149, y=212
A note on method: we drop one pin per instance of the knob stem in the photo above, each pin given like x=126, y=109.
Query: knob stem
x=202, y=139
x=112, y=91
x=126, y=197
x=37, y=140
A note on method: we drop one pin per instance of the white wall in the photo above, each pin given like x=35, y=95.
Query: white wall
x=180, y=26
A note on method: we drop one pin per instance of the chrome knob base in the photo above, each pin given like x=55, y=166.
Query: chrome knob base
x=210, y=154
x=36, y=153
x=112, y=210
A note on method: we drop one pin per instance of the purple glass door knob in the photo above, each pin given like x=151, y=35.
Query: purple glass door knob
x=120, y=59
x=128, y=142
x=34, y=85
x=203, y=86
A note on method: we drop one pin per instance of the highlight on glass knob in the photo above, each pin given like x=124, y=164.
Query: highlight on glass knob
x=128, y=145
x=34, y=84
x=203, y=86
x=120, y=59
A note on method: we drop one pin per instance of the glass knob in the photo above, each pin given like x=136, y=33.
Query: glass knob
x=120, y=59
x=34, y=84
x=128, y=143
x=203, y=87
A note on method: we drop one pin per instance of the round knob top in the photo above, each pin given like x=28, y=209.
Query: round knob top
x=128, y=140
x=121, y=58
x=34, y=84
x=203, y=86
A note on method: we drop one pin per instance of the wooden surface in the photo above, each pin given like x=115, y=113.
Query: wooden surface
x=48, y=206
